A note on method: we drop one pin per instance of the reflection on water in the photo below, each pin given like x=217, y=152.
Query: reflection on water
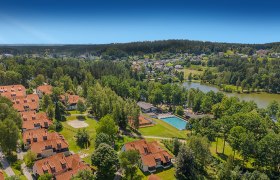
x=261, y=99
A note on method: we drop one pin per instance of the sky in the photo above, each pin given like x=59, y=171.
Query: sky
x=118, y=21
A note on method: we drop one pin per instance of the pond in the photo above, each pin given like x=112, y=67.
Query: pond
x=261, y=99
x=175, y=122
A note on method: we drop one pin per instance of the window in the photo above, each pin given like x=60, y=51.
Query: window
x=53, y=169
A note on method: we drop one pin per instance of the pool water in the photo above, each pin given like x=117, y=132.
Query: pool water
x=176, y=122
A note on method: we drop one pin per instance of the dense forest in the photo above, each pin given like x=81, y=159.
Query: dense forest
x=139, y=48
x=248, y=74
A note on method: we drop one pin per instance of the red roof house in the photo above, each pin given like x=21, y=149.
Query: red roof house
x=60, y=166
x=152, y=155
x=38, y=135
x=13, y=91
x=29, y=102
x=49, y=147
x=70, y=101
x=44, y=90
x=33, y=120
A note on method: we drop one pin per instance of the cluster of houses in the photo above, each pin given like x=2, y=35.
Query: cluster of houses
x=50, y=148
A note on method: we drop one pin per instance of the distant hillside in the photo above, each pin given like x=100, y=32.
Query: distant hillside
x=136, y=48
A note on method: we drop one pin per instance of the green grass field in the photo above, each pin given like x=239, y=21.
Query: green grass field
x=69, y=134
x=166, y=174
x=162, y=129
x=196, y=70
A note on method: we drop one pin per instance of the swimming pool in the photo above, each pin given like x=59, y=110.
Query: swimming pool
x=176, y=122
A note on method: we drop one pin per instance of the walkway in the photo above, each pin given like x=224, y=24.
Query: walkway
x=26, y=172
x=6, y=166
x=162, y=138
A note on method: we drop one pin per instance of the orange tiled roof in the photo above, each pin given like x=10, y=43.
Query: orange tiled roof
x=69, y=174
x=12, y=91
x=149, y=152
x=1, y=175
x=59, y=164
x=31, y=119
x=143, y=121
x=71, y=99
x=39, y=147
x=45, y=89
x=26, y=103
x=40, y=135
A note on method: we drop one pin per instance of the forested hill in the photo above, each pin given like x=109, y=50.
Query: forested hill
x=139, y=48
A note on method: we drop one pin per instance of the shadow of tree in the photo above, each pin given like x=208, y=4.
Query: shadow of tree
x=81, y=118
x=222, y=156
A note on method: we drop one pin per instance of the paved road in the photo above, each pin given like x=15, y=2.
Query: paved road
x=6, y=166
x=26, y=172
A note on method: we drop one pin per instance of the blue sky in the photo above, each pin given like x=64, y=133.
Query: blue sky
x=109, y=21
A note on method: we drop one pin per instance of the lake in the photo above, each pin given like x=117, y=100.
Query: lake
x=261, y=99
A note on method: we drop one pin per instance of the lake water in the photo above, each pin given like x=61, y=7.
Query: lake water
x=261, y=99
x=176, y=122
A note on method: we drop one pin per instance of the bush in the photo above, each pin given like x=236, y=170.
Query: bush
x=17, y=165
x=29, y=158
x=180, y=110
x=56, y=126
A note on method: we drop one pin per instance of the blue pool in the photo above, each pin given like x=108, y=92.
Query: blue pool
x=176, y=122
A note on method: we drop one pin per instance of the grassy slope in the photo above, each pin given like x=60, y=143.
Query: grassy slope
x=162, y=129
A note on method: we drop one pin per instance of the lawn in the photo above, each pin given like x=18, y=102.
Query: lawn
x=196, y=70
x=69, y=134
x=189, y=70
x=162, y=129
x=166, y=174
x=75, y=112
x=228, y=152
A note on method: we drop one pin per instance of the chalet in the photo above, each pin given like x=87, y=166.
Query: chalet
x=62, y=167
x=152, y=155
x=44, y=90
x=38, y=135
x=12, y=91
x=146, y=107
x=29, y=102
x=33, y=120
x=50, y=147
x=70, y=101
x=143, y=121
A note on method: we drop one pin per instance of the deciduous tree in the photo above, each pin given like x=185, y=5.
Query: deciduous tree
x=106, y=160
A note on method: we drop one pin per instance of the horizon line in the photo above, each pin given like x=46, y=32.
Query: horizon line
x=128, y=42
